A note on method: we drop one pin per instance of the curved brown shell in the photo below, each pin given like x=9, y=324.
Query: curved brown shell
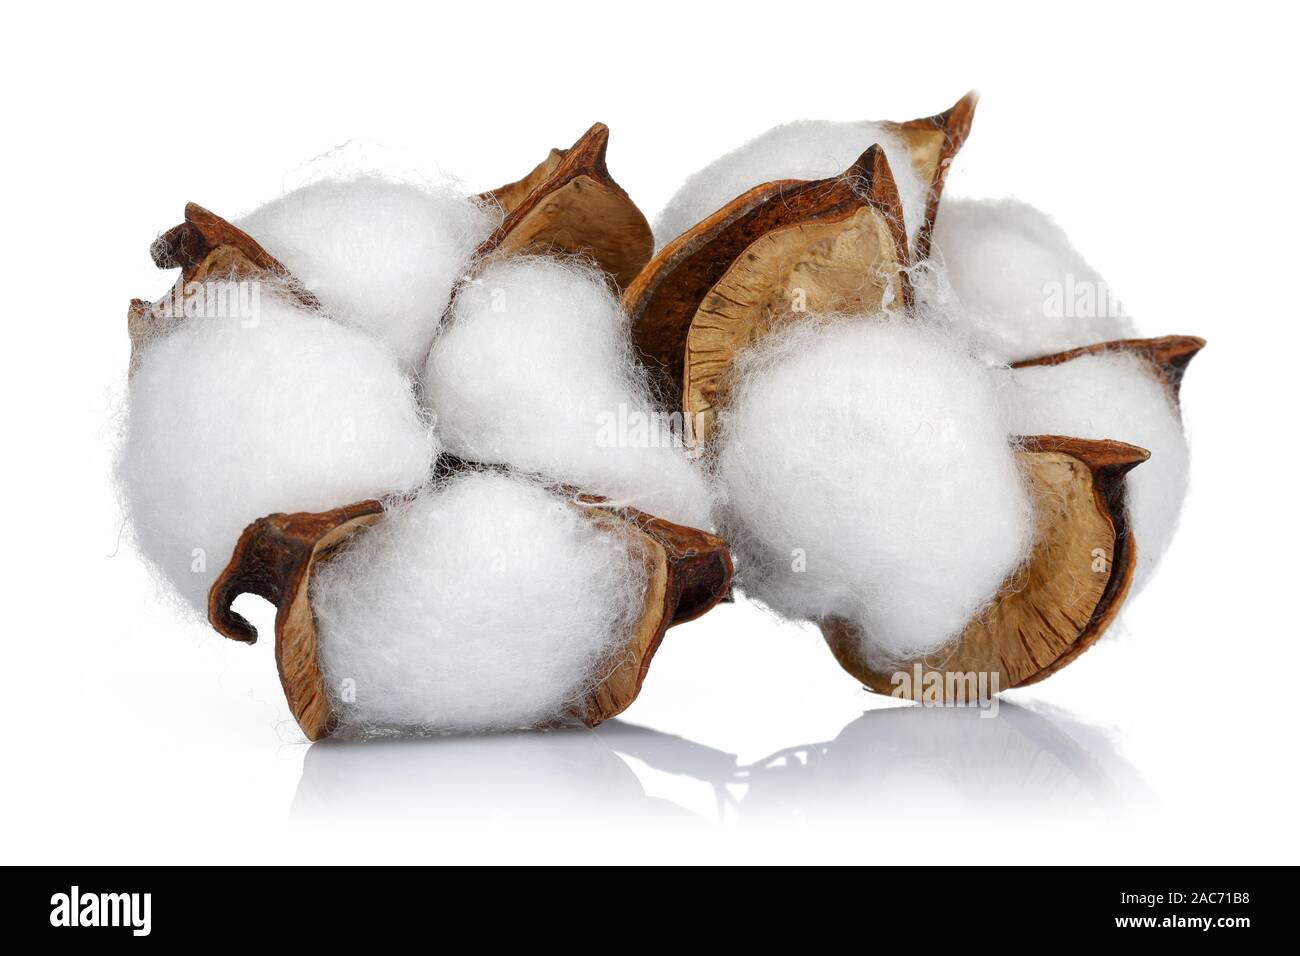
x=1168, y=355
x=932, y=143
x=732, y=278
x=570, y=204
x=205, y=246
x=688, y=572
x=1051, y=609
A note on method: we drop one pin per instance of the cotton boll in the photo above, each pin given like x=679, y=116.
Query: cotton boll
x=536, y=370
x=379, y=254
x=1112, y=395
x=868, y=476
x=487, y=603
x=1025, y=291
x=231, y=419
x=808, y=149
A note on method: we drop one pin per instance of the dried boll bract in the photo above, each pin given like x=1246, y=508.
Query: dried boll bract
x=569, y=204
x=765, y=259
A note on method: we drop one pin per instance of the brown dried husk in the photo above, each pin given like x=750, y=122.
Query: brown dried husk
x=831, y=245
x=569, y=204
x=932, y=144
x=1168, y=356
x=1062, y=599
x=688, y=571
x=205, y=247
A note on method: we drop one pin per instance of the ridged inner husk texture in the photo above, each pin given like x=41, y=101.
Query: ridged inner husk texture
x=778, y=251
x=569, y=204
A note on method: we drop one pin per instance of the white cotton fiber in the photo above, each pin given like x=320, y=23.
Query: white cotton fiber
x=1112, y=395
x=230, y=419
x=378, y=253
x=486, y=603
x=535, y=369
x=868, y=475
x=1025, y=292
x=808, y=149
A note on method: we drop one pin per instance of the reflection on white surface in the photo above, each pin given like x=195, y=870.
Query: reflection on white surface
x=913, y=760
x=526, y=778
x=899, y=760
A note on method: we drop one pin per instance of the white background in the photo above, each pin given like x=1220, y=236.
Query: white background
x=1164, y=142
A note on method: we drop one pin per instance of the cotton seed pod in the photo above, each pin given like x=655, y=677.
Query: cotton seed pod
x=687, y=572
x=567, y=205
x=728, y=282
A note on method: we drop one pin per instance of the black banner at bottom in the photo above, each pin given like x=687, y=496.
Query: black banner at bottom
x=959, y=905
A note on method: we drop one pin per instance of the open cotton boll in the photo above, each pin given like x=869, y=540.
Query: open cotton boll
x=535, y=369
x=230, y=419
x=1024, y=290
x=379, y=254
x=1112, y=395
x=868, y=476
x=487, y=603
x=807, y=149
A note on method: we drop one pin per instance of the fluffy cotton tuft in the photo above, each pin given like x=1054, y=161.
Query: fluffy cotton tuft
x=1113, y=395
x=808, y=149
x=868, y=476
x=379, y=254
x=1025, y=292
x=487, y=603
x=229, y=420
x=536, y=370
